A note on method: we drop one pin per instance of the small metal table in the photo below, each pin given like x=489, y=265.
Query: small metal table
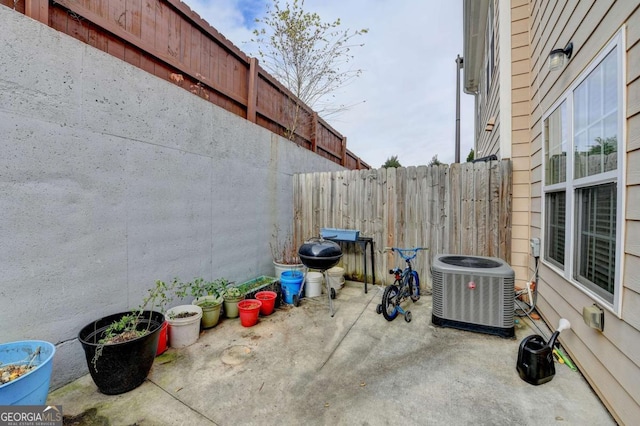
x=363, y=242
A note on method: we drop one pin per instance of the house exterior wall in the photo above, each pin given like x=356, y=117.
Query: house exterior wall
x=610, y=360
x=112, y=178
x=507, y=101
x=519, y=138
x=488, y=97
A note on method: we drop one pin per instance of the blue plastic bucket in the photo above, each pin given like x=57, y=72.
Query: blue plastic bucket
x=291, y=282
x=31, y=388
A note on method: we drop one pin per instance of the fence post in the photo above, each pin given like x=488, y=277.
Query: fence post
x=252, y=92
x=314, y=132
x=343, y=152
x=38, y=10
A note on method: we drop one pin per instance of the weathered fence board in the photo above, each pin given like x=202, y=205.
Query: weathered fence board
x=460, y=209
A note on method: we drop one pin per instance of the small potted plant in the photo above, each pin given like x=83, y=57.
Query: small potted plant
x=207, y=295
x=232, y=295
x=128, y=340
x=284, y=252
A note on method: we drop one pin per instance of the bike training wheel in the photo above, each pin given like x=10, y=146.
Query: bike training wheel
x=389, y=299
x=407, y=316
x=379, y=309
x=414, y=288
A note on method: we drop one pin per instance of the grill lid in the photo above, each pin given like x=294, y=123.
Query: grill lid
x=318, y=253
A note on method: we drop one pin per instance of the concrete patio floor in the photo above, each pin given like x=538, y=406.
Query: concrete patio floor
x=300, y=366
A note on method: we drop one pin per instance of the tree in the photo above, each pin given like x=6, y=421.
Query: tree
x=604, y=146
x=309, y=56
x=434, y=161
x=391, y=162
x=471, y=156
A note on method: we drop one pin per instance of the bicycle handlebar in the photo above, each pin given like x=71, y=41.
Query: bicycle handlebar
x=402, y=251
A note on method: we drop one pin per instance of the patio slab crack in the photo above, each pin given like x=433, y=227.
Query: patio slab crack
x=333, y=351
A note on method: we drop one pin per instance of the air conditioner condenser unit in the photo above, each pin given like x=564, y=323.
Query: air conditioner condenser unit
x=473, y=293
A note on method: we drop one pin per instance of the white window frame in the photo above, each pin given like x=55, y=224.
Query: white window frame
x=571, y=184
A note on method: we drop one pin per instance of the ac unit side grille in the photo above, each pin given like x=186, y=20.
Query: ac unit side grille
x=474, y=297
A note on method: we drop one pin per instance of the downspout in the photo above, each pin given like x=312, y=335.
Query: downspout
x=459, y=65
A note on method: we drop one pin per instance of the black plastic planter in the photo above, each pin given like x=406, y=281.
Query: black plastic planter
x=121, y=367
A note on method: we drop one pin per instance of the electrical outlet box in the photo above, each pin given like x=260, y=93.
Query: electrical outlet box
x=593, y=316
x=535, y=247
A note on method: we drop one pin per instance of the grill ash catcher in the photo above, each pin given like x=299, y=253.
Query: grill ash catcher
x=535, y=357
x=321, y=254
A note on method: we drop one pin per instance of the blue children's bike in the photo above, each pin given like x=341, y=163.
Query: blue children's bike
x=406, y=284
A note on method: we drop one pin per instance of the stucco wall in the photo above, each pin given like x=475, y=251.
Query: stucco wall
x=111, y=178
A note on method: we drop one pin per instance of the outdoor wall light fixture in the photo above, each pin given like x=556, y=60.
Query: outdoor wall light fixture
x=556, y=57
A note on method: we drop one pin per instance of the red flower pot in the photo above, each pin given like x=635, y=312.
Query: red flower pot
x=268, y=299
x=162, y=339
x=249, y=310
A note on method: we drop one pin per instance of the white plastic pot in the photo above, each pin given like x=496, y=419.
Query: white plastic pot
x=335, y=276
x=313, y=285
x=183, y=331
x=282, y=267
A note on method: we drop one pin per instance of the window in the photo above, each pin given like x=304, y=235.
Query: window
x=489, y=57
x=556, y=139
x=582, y=136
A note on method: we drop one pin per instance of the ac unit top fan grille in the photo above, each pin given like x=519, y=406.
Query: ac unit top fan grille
x=470, y=262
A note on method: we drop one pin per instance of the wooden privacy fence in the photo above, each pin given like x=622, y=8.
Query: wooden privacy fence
x=167, y=39
x=458, y=209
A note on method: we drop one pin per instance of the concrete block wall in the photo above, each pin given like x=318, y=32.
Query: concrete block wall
x=111, y=178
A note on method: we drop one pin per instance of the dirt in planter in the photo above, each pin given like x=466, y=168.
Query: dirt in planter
x=124, y=337
x=17, y=369
x=184, y=315
x=12, y=372
x=251, y=306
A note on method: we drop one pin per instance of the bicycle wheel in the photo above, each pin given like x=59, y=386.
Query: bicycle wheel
x=414, y=287
x=389, y=301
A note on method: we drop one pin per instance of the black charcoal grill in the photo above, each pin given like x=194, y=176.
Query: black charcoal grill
x=321, y=254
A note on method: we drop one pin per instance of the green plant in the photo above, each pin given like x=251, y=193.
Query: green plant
x=199, y=288
x=470, y=156
x=392, y=162
x=232, y=291
x=126, y=328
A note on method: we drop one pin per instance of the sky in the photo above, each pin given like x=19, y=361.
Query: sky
x=404, y=102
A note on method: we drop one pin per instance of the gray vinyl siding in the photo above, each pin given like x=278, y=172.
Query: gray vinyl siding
x=489, y=142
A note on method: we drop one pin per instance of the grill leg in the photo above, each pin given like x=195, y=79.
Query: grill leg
x=326, y=280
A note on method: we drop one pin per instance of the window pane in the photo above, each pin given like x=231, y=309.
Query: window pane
x=580, y=154
x=610, y=81
x=596, y=120
x=580, y=109
x=555, y=229
x=596, y=253
x=555, y=139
